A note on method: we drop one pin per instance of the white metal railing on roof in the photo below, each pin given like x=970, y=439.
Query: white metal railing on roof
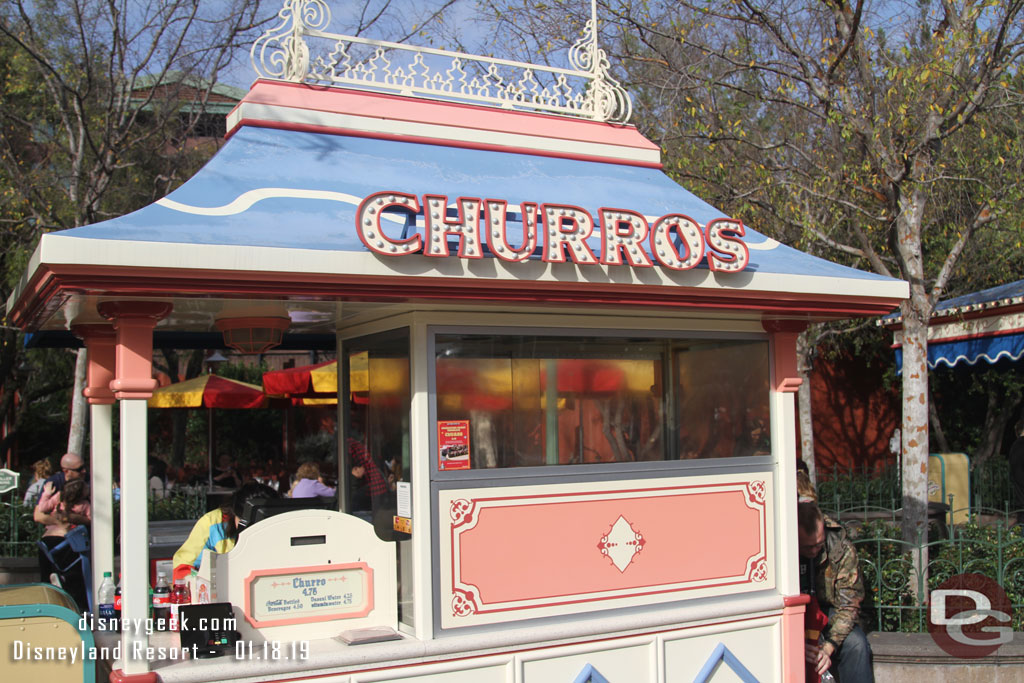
x=289, y=52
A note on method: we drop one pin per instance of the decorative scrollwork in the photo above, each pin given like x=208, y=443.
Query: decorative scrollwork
x=463, y=603
x=282, y=52
x=760, y=571
x=756, y=491
x=461, y=511
x=289, y=51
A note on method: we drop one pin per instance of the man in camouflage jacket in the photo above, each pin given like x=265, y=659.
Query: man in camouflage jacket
x=829, y=571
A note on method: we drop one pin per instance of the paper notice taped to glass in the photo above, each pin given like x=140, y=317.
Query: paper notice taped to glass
x=404, y=495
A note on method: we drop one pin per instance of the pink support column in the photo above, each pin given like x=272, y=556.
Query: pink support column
x=100, y=340
x=793, y=610
x=785, y=377
x=132, y=385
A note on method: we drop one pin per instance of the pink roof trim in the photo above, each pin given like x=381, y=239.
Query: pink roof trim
x=432, y=112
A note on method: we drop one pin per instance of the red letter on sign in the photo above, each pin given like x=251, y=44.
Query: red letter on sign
x=497, y=236
x=623, y=232
x=369, y=229
x=466, y=225
x=574, y=235
x=663, y=246
x=728, y=252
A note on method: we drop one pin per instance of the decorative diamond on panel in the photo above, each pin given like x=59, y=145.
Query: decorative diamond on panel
x=621, y=544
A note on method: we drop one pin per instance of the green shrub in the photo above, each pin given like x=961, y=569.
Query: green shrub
x=895, y=598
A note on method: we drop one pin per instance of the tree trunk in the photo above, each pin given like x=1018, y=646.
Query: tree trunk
x=936, y=425
x=915, y=425
x=804, y=365
x=1000, y=411
x=79, y=408
x=179, y=421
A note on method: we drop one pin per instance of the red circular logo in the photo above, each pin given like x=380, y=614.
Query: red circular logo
x=969, y=616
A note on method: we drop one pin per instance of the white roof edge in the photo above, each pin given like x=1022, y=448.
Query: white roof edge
x=67, y=250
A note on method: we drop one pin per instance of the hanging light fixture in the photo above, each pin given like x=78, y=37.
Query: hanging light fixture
x=253, y=334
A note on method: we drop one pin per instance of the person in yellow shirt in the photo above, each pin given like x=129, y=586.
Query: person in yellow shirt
x=218, y=529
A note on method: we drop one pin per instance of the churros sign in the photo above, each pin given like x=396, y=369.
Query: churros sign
x=562, y=231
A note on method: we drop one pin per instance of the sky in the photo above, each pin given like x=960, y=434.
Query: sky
x=398, y=19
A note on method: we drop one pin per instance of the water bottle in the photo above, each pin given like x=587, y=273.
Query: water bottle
x=161, y=602
x=105, y=600
x=826, y=677
x=179, y=596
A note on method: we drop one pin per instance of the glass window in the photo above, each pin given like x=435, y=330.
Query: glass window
x=377, y=444
x=721, y=389
x=521, y=401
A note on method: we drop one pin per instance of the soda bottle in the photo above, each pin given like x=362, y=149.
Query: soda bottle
x=105, y=600
x=179, y=596
x=161, y=602
x=117, y=604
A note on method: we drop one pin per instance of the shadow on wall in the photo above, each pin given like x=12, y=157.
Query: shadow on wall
x=854, y=414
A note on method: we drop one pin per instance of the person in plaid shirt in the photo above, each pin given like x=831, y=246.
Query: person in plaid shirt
x=378, y=486
x=364, y=466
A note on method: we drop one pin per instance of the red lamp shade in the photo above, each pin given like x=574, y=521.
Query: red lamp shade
x=253, y=335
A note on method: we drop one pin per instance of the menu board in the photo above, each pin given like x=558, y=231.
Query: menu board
x=306, y=594
x=453, y=445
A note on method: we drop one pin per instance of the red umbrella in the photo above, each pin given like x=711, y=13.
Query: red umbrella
x=210, y=391
x=308, y=381
x=587, y=377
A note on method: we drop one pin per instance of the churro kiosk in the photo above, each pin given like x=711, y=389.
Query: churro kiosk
x=565, y=382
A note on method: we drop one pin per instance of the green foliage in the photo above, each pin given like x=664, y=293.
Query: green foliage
x=178, y=505
x=845, y=489
x=889, y=585
x=18, y=531
x=896, y=600
x=84, y=136
x=967, y=398
x=321, y=447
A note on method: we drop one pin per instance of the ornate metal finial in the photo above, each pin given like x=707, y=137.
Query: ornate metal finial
x=586, y=91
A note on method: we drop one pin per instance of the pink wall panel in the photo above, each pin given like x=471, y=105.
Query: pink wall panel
x=580, y=547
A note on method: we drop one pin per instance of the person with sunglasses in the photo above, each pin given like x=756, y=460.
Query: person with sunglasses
x=72, y=468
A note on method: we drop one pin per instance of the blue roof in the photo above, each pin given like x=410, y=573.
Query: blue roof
x=1010, y=290
x=304, y=188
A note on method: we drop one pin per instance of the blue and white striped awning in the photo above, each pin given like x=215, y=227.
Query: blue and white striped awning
x=987, y=325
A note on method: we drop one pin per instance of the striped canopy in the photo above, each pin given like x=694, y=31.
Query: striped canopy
x=210, y=391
